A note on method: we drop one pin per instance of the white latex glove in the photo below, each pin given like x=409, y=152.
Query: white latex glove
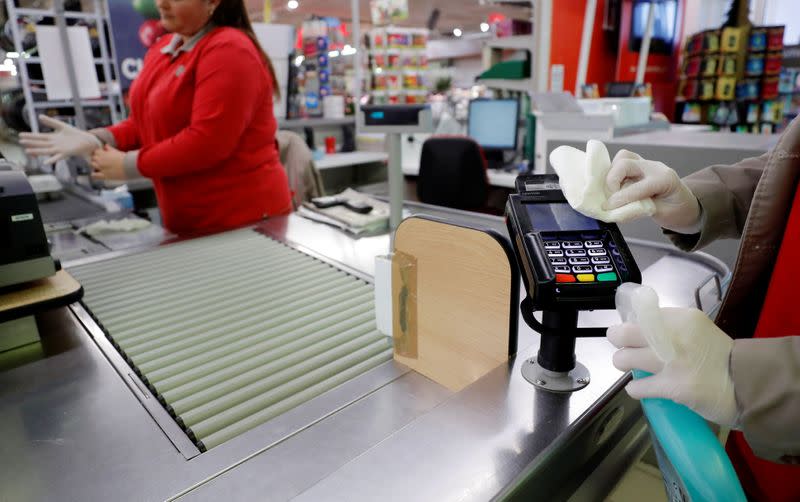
x=633, y=178
x=685, y=351
x=582, y=176
x=65, y=141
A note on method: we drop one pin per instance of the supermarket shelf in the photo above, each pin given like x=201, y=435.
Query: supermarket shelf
x=523, y=84
x=513, y=42
x=38, y=60
x=51, y=13
x=68, y=103
x=314, y=122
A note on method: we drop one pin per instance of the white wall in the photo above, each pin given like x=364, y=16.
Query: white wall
x=784, y=12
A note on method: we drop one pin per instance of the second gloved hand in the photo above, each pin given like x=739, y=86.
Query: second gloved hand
x=696, y=372
x=632, y=178
x=65, y=141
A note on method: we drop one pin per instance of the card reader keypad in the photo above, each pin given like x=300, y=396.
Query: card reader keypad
x=579, y=261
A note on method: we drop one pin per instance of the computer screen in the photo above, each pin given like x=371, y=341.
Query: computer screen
x=493, y=123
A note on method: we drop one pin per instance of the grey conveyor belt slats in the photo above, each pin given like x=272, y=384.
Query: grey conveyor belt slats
x=232, y=330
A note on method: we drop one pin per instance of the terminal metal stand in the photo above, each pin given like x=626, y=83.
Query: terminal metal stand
x=555, y=368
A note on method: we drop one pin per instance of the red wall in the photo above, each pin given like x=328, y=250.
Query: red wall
x=662, y=69
x=605, y=64
x=565, y=43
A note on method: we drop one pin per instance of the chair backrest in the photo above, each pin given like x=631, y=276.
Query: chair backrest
x=304, y=179
x=452, y=173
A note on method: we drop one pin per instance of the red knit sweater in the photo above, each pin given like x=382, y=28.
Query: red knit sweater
x=205, y=130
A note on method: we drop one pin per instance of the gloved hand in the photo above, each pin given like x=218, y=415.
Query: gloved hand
x=64, y=142
x=685, y=351
x=633, y=178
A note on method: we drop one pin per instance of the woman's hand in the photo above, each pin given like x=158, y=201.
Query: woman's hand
x=108, y=163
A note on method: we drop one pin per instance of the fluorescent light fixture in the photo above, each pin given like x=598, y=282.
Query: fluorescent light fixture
x=292, y=4
x=348, y=50
x=484, y=27
x=457, y=32
x=299, y=60
x=12, y=55
x=333, y=54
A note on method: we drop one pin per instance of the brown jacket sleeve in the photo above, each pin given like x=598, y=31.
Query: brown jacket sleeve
x=724, y=193
x=766, y=380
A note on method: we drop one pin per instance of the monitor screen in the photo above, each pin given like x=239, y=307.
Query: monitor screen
x=493, y=123
x=558, y=216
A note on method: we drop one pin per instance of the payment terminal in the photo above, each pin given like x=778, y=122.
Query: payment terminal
x=569, y=263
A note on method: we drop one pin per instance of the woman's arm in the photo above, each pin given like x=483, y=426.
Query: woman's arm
x=122, y=135
x=227, y=94
x=766, y=380
x=724, y=194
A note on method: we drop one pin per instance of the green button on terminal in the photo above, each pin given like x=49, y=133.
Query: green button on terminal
x=606, y=277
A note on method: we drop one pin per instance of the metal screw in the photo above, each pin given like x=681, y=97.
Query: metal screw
x=583, y=381
x=541, y=383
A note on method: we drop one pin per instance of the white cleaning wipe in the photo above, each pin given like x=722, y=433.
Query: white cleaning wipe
x=582, y=176
x=120, y=225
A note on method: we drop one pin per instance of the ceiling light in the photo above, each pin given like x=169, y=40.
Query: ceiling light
x=484, y=27
x=379, y=70
x=333, y=54
x=12, y=55
x=299, y=60
x=457, y=32
x=348, y=50
x=292, y=4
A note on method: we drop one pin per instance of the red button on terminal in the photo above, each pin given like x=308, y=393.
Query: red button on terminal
x=565, y=278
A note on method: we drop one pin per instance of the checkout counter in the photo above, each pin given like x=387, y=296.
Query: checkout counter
x=79, y=424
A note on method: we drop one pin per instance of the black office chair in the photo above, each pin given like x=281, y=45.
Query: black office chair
x=452, y=173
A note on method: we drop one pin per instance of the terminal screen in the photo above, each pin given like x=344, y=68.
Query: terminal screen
x=558, y=217
x=493, y=123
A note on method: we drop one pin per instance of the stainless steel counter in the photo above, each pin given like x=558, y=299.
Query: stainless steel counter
x=74, y=426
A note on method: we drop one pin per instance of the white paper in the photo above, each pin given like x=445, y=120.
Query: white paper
x=582, y=176
x=54, y=66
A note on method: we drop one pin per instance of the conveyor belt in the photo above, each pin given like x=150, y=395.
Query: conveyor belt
x=232, y=330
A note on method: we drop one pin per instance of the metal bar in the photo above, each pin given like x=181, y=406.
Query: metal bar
x=201, y=380
x=170, y=365
x=218, y=318
x=13, y=15
x=100, y=19
x=70, y=104
x=396, y=185
x=221, y=415
x=80, y=117
x=190, y=340
x=540, y=67
x=54, y=13
x=255, y=381
x=167, y=424
x=355, y=25
x=586, y=44
x=644, y=50
x=295, y=399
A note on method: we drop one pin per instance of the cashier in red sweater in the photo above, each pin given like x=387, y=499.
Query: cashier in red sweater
x=201, y=124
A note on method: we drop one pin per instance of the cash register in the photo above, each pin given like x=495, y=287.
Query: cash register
x=24, y=253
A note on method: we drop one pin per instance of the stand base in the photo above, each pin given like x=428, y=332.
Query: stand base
x=575, y=379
